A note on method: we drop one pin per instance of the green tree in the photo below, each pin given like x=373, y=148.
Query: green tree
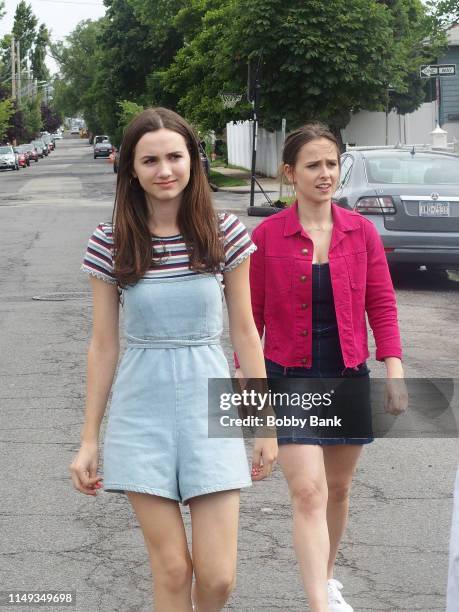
x=75, y=90
x=33, y=122
x=206, y=64
x=24, y=28
x=320, y=60
x=128, y=110
x=444, y=12
x=39, y=69
x=6, y=112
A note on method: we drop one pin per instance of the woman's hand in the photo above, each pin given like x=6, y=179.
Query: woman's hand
x=264, y=457
x=396, y=394
x=83, y=469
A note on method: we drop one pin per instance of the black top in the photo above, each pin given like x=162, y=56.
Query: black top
x=323, y=304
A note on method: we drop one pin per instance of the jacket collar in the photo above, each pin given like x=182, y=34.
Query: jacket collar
x=343, y=221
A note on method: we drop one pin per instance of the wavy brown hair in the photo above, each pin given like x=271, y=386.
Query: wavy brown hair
x=197, y=219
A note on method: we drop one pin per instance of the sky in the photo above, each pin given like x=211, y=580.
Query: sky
x=60, y=16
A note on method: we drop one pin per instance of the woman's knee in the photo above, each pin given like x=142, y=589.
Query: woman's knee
x=309, y=498
x=338, y=492
x=173, y=572
x=215, y=582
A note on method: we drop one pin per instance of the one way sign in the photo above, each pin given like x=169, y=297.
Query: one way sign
x=437, y=70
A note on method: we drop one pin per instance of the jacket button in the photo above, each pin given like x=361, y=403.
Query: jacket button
x=304, y=332
x=303, y=278
x=304, y=361
x=304, y=251
x=304, y=306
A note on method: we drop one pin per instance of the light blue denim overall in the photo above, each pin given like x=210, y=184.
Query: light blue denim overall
x=157, y=440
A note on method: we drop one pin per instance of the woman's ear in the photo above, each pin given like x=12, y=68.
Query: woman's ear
x=289, y=173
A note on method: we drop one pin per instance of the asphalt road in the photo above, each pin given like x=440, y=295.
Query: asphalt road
x=394, y=554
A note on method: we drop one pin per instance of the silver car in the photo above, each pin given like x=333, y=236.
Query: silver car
x=412, y=197
x=8, y=158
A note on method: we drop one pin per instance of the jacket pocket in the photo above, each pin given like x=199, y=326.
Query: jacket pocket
x=356, y=264
x=278, y=275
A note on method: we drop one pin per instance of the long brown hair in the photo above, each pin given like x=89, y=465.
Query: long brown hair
x=301, y=136
x=197, y=219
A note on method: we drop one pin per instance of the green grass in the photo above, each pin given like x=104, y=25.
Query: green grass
x=221, y=180
x=219, y=163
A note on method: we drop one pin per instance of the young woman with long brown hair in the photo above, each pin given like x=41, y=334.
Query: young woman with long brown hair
x=318, y=270
x=164, y=257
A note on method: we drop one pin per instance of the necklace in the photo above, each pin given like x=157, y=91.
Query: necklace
x=318, y=229
x=165, y=254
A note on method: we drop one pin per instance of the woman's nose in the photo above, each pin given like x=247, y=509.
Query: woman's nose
x=164, y=168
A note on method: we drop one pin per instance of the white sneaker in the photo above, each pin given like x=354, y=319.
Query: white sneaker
x=336, y=601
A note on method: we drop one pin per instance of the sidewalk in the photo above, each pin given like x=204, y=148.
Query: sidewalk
x=270, y=185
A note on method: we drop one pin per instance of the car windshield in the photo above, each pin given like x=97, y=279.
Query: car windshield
x=5, y=150
x=413, y=169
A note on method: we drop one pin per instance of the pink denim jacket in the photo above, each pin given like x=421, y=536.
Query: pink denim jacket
x=281, y=283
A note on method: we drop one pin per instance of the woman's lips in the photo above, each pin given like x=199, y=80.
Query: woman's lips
x=166, y=184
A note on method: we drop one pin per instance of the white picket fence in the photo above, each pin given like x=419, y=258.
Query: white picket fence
x=239, y=143
x=365, y=128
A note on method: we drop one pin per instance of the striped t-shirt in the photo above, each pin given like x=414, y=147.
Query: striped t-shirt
x=174, y=258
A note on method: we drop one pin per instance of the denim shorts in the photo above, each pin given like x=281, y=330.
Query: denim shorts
x=350, y=393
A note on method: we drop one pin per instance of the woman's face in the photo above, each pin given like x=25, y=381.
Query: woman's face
x=316, y=171
x=162, y=165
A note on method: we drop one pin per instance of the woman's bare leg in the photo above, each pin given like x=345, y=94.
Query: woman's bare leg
x=165, y=538
x=340, y=464
x=303, y=467
x=214, y=520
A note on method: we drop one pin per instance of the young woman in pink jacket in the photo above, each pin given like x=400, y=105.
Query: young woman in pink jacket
x=317, y=271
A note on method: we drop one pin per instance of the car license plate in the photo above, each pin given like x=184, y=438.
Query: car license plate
x=434, y=209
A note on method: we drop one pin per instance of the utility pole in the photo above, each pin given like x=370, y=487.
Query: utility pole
x=29, y=85
x=18, y=44
x=13, y=70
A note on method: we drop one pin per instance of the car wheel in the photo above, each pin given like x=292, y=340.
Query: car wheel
x=404, y=269
x=95, y=156
x=438, y=272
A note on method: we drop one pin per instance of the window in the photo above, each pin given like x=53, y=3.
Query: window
x=346, y=166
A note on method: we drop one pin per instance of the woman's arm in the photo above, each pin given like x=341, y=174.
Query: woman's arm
x=103, y=356
x=246, y=342
x=102, y=361
x=257, y=290
x=380, y=302
x=244, y=335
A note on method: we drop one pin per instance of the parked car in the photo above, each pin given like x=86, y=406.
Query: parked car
x=8, y=158
x=32, y=150
x=103, y=149
x=48, y=142
x=57, y=136
x=22, y=158
x=25, y=149
x=41, y=148
x=412, y=197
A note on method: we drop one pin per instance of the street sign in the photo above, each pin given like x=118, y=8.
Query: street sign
x=437, y=70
